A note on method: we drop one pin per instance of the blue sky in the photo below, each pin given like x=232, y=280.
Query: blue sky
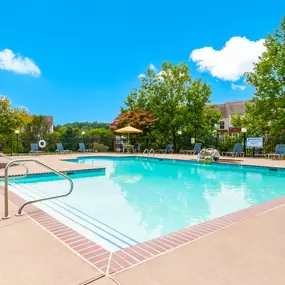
x=84, y=57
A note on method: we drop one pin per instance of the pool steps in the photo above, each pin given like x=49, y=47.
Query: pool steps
x=92, y=228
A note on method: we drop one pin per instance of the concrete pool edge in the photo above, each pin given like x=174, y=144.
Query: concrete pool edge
x=131, y=256
x=228, y=161
x=69, y=171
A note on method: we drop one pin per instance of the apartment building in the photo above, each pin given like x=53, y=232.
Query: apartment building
x=228, y=109
x=50, y=120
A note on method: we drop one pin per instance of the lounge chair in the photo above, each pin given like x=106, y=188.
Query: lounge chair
x=168, y=149
x=83, y=149
x=35, y=149
x=60, y=149
x=279, y=152
x=195, y=150
x=236, y=152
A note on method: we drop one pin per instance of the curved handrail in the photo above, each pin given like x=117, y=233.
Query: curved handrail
x=145, y=151
x=6, y=212
x=27, y=169
x=151, y=151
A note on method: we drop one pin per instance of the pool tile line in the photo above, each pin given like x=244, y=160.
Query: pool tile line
x=131, y=256
x=257, y=209
x=97, y=169
x=240, y=163
x=194, y=160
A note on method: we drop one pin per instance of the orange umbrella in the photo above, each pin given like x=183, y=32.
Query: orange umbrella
x=128, y=130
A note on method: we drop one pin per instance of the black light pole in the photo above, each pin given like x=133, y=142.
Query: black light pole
x=244, y=130
x=17, y=134
x=179, y=133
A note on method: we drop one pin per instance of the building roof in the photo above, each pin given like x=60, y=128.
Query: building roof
x=233, y=107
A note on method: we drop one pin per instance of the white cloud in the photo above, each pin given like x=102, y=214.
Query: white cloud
x=152, y=67
x=232, y=61
x=238, y=87
x=22, y=65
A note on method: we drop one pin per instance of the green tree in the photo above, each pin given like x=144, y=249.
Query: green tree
x=84, y=125
x=268, y=78
x=237, y=121
x=251, y=120
x=70, y=138
x=176, y=101
x=201, y=118
x=37, y=128
x=11, y=118
x=102, y=136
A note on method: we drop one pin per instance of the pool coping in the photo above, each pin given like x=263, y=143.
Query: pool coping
x=118, y=261
x=112, y=263
x=192, y=160
x=66, y=171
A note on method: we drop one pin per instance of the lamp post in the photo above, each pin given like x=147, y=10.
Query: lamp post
x=244, y=130
x=17, y=135
x=83, y=133
x=179, y=133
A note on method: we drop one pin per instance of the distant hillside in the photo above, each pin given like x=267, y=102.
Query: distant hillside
x=88, y=125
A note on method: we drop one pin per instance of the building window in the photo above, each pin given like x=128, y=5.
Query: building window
x=222, y=125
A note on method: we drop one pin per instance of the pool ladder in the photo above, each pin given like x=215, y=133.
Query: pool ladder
x=6, y=183
x=148, y=152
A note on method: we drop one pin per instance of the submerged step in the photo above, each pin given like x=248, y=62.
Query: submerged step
x=86, y=225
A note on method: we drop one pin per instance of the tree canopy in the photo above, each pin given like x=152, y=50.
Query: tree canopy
x=176, y=102
x=11, y=118
x=139, y=118
x=268, y=79
x=85, y=125
x=38, y=127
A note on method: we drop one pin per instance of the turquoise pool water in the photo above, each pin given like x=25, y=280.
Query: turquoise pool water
x=138, y=199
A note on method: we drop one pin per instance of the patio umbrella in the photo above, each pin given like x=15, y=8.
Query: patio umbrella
x=128, y=130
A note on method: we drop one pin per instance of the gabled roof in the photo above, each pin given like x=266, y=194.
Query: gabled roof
x=233, y=107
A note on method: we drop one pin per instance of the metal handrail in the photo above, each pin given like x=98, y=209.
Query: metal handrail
x=145, y=151
x=151, y=151
x=20, y=176
x=6, y=212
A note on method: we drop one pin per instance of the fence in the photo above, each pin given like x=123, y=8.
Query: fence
x=223, y=144
x=19, y=144
x=23, y=145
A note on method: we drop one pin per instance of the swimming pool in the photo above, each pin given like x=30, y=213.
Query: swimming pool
x=139, y=199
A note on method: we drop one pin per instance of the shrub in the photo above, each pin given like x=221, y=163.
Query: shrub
x=99, y=147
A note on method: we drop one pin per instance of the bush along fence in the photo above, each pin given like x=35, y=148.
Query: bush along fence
x=19, y=144
x=23, y=145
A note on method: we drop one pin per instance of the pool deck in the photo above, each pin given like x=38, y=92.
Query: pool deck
x=55, y=161
x=31, y=256
x=248, y=251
